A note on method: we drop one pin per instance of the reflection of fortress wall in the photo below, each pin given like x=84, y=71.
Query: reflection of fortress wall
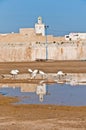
x=23, y=86
x=29, y=88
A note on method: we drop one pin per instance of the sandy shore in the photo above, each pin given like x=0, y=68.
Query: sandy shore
x=40, y=117
x=46, y=66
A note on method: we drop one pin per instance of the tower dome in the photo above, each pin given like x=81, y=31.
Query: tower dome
x=39, y=20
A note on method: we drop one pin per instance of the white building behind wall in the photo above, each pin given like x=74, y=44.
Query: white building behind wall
x=75, y=36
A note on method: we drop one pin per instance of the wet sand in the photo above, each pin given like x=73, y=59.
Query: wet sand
x=40, y=117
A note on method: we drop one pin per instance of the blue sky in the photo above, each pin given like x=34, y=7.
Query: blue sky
x=62, y=16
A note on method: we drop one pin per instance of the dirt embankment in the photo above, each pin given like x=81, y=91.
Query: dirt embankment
x=47, y=66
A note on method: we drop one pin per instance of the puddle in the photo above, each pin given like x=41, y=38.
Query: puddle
x=48, y=94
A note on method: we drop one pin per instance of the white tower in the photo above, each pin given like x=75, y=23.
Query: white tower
x=39, y=20
x=40, y=27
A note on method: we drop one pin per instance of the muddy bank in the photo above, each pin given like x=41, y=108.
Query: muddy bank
x=44, y=117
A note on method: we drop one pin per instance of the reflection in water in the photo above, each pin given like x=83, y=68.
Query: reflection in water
x=60, y=94
x=41, y=91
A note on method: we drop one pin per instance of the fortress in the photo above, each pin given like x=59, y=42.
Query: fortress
x=30, y=44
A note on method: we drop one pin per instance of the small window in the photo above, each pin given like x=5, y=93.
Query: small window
x=26, y=34
x=67, y=36
x=54, y=41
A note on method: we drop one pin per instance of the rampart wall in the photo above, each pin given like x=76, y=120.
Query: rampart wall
x=27, y=46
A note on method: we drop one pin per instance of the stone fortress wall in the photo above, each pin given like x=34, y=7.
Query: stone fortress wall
x=28, y=46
